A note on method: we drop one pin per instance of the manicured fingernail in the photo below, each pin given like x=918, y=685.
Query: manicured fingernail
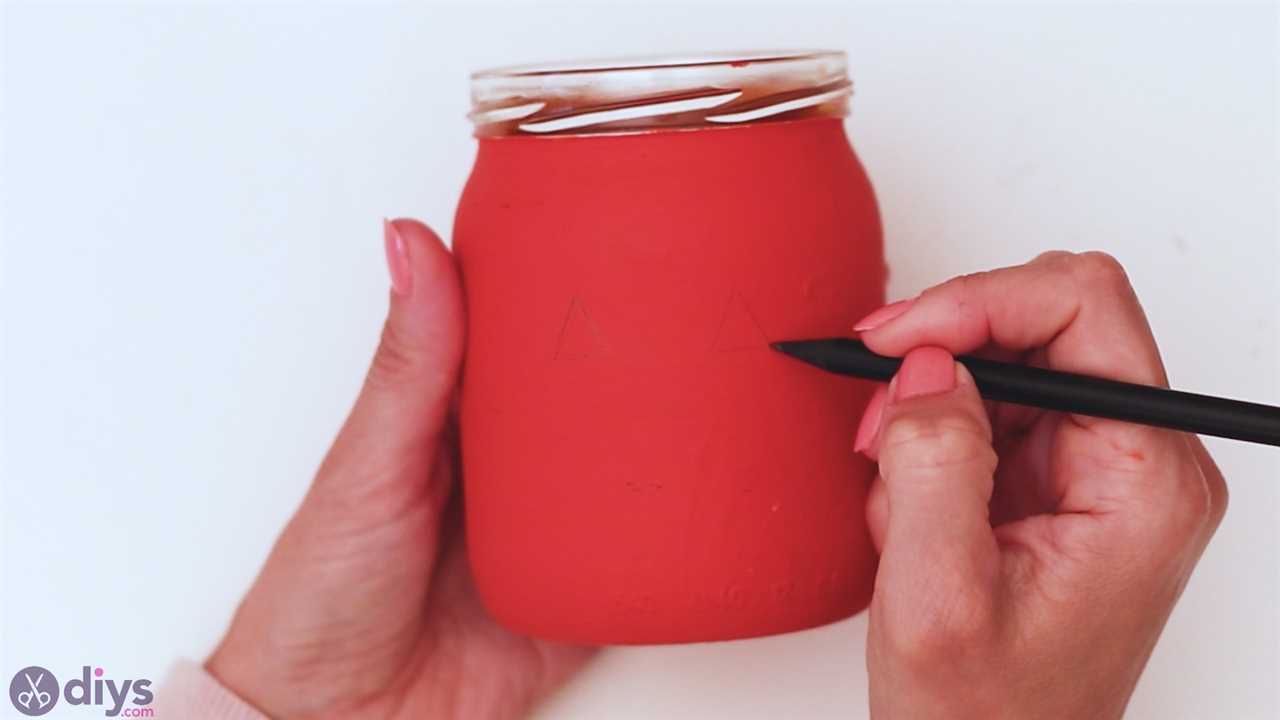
x=883, y=315
x=870, y=424
x=925, y=371
x=397, y=259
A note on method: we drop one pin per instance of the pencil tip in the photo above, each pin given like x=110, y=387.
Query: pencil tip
x=790, y=348
x=805, y=350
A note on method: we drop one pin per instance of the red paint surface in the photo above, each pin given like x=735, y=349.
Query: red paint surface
x=640, y=467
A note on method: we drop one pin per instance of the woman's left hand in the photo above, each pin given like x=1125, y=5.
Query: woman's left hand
x=365, y=607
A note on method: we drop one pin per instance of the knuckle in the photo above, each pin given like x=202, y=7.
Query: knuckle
x=1221, y=499
x=1099, y=269
x=964, y=293
x=1053, y=257
x=971, y=279
x=960, y=285
x=1188, y=510
x=939, y=441
x=1219, y=496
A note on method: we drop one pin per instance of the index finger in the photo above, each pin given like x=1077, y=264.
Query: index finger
x=1079, y=309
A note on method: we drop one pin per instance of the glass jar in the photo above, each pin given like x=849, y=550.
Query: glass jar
x=639, y=465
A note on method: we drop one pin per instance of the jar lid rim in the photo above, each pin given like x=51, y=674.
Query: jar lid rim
x=650, y=93
x=649, y=63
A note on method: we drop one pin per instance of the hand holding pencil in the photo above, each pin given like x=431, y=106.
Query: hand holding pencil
x=1029, y=558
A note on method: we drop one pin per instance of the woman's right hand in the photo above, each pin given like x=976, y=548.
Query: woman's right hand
x=1029, y=559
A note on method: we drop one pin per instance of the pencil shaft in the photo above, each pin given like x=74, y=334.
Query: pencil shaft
x=1068, y=392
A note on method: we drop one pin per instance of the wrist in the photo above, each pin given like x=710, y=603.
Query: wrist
x=242, y=670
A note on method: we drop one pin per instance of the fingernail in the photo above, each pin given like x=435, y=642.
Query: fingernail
x=871, y=420
x=883, y=315
x=397, y=259
x=925, y=371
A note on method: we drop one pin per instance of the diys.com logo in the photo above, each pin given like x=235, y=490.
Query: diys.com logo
x=34, y=691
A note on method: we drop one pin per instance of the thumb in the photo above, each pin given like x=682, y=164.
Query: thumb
x=392, y=437
x=350, y=573
x=937, y=470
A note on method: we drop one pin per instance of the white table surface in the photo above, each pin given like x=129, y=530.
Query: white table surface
x=193, y=281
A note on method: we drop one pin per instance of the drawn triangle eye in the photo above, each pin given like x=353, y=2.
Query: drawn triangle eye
x=738, y=328
x=580, y=337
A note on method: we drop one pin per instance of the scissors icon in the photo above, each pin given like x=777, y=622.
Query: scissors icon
x=35, y=694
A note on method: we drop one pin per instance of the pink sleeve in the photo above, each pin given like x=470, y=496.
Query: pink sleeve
x=190, y=693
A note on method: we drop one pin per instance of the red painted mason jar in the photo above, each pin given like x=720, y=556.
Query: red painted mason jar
x=639, y=465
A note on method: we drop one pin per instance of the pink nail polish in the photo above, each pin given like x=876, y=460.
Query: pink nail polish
x=925, y=371
x=397, y=259
x=883, y=315
x=870, y=424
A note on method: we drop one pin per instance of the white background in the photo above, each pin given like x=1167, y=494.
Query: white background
x=193, y=282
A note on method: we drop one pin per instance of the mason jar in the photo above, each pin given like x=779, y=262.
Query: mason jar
x=639, y=465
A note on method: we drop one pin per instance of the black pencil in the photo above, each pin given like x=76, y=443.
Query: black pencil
x=1065, y=392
